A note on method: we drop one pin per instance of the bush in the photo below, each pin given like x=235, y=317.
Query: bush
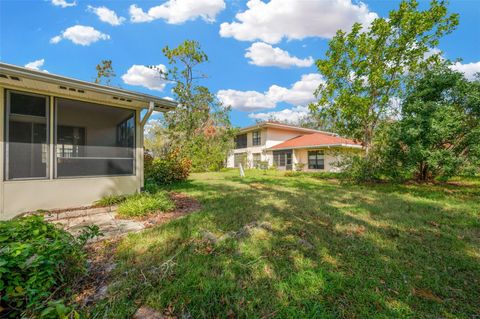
x=110, y=200
x=168, y=169
x=145, y=203
x=38, y=262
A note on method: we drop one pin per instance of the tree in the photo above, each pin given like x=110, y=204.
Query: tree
x=105, y=72
x=366, y=70
x=439, y=130
x=200, y=125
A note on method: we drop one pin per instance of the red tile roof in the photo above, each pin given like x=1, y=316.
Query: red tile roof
x=315, y=139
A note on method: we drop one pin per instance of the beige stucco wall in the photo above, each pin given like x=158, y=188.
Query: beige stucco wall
x=270, y=137
x=31, y=195
x=330, y=158
x=20, y=196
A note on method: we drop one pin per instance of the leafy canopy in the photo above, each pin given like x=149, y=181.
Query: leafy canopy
x=438, y=134
x=200, y=126
x=366, y=70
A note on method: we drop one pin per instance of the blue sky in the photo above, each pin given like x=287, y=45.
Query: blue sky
x=281, y=39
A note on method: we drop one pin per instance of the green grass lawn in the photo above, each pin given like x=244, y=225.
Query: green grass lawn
x=320, y=249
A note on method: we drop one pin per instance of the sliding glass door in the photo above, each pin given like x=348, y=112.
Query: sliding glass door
x=26, y=136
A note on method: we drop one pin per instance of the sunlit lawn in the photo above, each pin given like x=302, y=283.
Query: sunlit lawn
x=325, y=250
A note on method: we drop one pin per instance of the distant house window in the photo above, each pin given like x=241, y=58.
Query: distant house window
x=241, y=141
x=257, y=157
x=283, y=159
x=239, y=158
x=256, y=138
x=316, y=160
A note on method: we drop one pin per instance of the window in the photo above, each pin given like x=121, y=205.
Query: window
x=257, y=157
x=93, y=139
x=315, y=160
x=256, y=138
x=240, y=158
x=241, y=141
x=283, y=159
x=27, y=127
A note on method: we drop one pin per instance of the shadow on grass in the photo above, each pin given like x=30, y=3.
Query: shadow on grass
x=331, y=251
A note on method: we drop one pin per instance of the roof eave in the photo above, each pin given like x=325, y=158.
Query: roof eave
x=161, y=105
x=282, y=126
x=315, y=146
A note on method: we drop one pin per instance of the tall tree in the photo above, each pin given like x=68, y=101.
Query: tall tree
x=200, y=125
x=439, y=130
x=365, y=71
x=105, y=72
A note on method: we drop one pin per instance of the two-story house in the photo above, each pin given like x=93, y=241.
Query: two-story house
x=289, y=147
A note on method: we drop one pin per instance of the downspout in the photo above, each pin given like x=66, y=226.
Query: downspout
x=142, y=123
x=147, y=115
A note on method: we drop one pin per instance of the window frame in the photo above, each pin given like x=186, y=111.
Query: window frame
x=237, y=146
x=6, y=156
x=256, y=140
x=317, y=154
x=54, y=140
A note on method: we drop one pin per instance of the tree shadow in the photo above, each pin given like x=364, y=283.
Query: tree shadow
x=331, y=251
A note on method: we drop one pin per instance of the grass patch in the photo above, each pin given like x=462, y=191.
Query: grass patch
x=110, y=200
x=142, y=204
x=325, y=250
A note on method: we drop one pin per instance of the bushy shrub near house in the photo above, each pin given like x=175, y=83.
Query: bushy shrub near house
x=167, y=169
x=38, y=264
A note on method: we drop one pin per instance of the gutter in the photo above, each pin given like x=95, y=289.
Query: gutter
x=315, y=146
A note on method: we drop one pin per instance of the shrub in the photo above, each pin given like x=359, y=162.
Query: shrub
x=145, y=203
x=36, y=259
x=362, y=169
x=299, y=167
x=110, y=200
x=168, y=169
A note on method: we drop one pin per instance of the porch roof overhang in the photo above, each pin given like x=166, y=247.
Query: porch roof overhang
x=24, y=78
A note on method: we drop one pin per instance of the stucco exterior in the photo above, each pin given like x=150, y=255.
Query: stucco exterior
x=274, y=134
x=24, y=195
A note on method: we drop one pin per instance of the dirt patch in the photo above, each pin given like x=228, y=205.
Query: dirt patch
x=184, y=205
x=101, y=254
x=100, y=258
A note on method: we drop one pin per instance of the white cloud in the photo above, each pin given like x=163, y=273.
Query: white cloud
x=292, y=115
x=295, y=19
x=263, y=54
x=107, y=15
x=469, y=69
x=35, y=65
x=177, y=12
x=150, y=78
x=80, y=34
x=245, y=100
x=301, y=92
x=63, y=3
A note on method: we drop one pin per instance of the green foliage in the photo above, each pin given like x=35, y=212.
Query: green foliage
x=170, y=168
x=145, y=203
x=38, y=262
x=151, y=187
x=199, y=126
x=365, y=71
x=439, y=131
x=105, y=72
x=110, y=200
x=268, y=246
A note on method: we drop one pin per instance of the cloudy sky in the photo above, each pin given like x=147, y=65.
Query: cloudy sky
x=261, y=52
